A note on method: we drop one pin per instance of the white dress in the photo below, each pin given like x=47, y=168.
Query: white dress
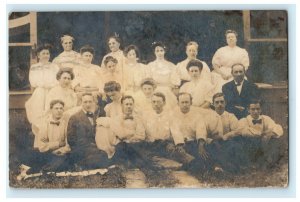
x=184, y=75
x=67, y=59
x=118, y=76
x=119, y=55
x=42, y=78
x=224, y=58
x=164, y=73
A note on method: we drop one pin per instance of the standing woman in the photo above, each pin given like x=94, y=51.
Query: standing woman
x=164, y=74
x=192, y=52
x=42, y=77
x=225, y=57
x=114, y=43
x=69, y=57
x=134, y=71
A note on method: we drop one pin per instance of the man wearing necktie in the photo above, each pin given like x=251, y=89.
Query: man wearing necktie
x=50, y=145
x=239, y=92
x=81, y=136
x=264, y=136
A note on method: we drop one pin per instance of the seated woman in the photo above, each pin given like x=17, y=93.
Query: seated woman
x=63, y=91
x=69, y=57
x=87, y=75
x=192, y=52
x=111, y=73
x=135, y=71
x=42, y=79
x=225, y=57
x=201, y=90
x=112, y=90
x=164, y=74
x=143, y=97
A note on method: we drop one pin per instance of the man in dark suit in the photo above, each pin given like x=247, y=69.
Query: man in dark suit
x=239, y=92
x=81, y=137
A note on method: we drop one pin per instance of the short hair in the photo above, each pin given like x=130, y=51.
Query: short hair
x=148, y=81
x=86, y=94
x=87, y=48
x=238, y=64
x=254, y=101
x=231, y=31
x=110, y=58
x=65, y=70
x=132, y=47
x=64, y=37
x=112, y=86
x=54, y=102
x=192, y=43
x=194, y=63
x=159, y=94
x=158, y=43
x=217, y=95
x=184, y=93
x=125, y=97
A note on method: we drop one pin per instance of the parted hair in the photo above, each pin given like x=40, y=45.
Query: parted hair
x=184, y=93
x=65, y=70
x=159, y=94
x=54, y=102
x=148, y=81
x=112, y=86
x=231, y=31
x=87, y=48
x=217, y=95
x=125, y=97
x=110, y=58
x=194, y=63
x=132, y=47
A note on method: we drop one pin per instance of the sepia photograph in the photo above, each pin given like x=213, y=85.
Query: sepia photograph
x=148, y=99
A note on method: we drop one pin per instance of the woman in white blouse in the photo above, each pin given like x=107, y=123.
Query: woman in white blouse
x=42, y=77
x=114, y=43
x=134, y=71
x=225, y=57
x=164, y=74
x=69, y=57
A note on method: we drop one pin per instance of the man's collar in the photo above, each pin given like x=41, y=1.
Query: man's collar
x=236, y=83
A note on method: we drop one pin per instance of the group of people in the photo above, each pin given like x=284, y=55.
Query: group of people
x=125, y=112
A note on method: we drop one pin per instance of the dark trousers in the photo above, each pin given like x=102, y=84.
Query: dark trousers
x=45, y=161
x=89, y=157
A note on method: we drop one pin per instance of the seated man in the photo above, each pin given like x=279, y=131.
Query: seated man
x=229, y=120
x=265, y=137
x=159, y=141
x=239, y=92
x=81, y=137
x=118, y=135
x=50, y=145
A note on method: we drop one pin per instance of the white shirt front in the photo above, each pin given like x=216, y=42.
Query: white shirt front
x=157, y=125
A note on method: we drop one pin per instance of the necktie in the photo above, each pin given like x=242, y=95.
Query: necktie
x=258, y=121
x=55, y=122
x=90, y=114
